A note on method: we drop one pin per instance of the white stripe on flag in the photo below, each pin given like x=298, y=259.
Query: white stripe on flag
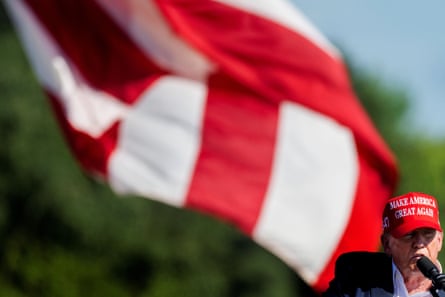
x=306, y=191
x=159, y=142
x=283, y=12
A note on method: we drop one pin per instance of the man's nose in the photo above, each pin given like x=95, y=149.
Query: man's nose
x=419, y=241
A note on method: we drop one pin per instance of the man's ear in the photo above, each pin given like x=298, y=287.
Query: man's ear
x=384, y=239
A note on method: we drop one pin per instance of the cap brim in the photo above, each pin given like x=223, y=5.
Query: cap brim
x=409, y=227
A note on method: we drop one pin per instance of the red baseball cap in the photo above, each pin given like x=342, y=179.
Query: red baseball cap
x=405, y=213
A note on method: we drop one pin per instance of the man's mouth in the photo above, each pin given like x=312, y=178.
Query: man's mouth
x=416, y=257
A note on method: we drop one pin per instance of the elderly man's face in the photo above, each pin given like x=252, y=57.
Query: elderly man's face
x=408, y=249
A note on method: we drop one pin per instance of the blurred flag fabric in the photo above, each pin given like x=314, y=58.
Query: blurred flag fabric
x=240, y=110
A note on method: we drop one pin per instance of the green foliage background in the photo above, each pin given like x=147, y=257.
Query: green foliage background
x=65, y=234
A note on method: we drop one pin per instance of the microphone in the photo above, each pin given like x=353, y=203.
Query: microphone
x=430, y=271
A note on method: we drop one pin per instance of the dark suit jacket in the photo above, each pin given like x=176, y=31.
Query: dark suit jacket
x=364, y=274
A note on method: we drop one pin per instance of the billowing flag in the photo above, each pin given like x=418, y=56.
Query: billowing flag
x=238, y=109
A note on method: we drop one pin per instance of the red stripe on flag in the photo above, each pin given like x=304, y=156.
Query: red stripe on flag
x=234, y=165
x=105, y=56
x=239, y=40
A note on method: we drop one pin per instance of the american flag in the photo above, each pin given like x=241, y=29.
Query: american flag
x=241, y=110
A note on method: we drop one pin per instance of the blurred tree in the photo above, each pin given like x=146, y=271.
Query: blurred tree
x=386, y=103
x=421, y=159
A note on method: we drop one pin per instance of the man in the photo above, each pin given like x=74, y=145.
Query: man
x=411, y=229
